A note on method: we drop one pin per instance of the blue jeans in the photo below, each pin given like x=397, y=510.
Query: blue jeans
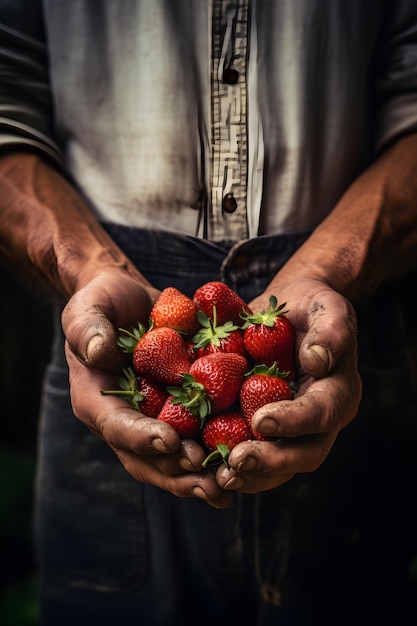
x=333, y=547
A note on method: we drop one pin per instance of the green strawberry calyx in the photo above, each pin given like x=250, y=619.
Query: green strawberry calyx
x=218, y=456
x=192, y=396
x=209, y=332
x=128, y=389
x=264, y=370
x=128, y=340
x=268, y=317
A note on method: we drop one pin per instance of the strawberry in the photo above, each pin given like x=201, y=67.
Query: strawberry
x=214, y=338
x=269, y=337
x=215, y=379
x=191, y=350
x=142, y=394
x=159, y=354
x=174, y=309
x=261, y=386
x=228, y=304
x=212, y=383
x=181, y=419
x=221, y=434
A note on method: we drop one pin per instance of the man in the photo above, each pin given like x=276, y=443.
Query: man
x=271, y=145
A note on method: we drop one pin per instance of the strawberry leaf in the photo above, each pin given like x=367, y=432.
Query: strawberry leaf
x=273, y=370
x=218, y=456
x=268, y=317
x=129, y=340
x=192, y=396
x=128, y=389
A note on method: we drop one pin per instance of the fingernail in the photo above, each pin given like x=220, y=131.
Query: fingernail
x=186, y=464
x=250, y=463
x=321, y=353
x=158, y=446
x=236, y=482
x=199, y=493
x=92, y=346
x=267, y=426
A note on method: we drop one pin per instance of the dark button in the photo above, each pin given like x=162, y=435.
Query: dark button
x=229, y=203
x=241, y=261
x=230, y=76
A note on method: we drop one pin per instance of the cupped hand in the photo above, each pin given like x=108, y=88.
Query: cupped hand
x=302, y=431
x=149, y=449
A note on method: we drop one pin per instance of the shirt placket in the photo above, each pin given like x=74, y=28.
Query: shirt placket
x=228, y=210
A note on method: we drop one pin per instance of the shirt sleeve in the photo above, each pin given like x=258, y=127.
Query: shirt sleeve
x=396, y=74
x=25, y=98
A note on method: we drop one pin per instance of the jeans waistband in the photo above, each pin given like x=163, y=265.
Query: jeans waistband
x=247, y=265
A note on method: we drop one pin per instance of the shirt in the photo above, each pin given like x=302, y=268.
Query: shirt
x=222, y=119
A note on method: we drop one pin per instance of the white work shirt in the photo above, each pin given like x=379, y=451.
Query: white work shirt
x=223, y=119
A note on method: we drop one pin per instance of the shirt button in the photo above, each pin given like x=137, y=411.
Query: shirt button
x=229, y=203
x=230, y=76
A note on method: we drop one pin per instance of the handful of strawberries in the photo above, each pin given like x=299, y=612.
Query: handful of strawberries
x=205, y=364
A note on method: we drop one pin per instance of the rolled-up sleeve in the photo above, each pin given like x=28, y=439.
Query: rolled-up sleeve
x=396, y=83
x=25, y=98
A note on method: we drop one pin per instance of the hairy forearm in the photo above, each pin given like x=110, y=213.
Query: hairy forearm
x=46, y=229
x=371, y=235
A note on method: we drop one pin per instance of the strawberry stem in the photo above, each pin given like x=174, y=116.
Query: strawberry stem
x=128, y=389
x=210, y=332
x=218, y=456
x=192, y=396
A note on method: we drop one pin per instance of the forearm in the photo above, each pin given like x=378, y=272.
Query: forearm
x=47, y=229
x=371, y=235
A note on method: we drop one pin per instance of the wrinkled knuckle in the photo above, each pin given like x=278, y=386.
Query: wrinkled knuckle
x=103, y=425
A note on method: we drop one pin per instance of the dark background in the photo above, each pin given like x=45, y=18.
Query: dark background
x=25, y=338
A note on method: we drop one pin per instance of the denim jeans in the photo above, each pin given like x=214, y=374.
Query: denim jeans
x=331, y=547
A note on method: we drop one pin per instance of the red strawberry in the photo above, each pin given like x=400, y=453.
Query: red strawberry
x=151, y=397
x=269, y=337
x=174, y=309
x=262, y=386
x=159, y=354
x=142, y=394
x=181, y=419
x=214, y=338
x=216, y=377
x=221, y=434
x=191, y=350
x=228, y=304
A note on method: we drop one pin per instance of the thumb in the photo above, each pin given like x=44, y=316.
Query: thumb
x=94, y=314
x=331, y=331
x=92, y=337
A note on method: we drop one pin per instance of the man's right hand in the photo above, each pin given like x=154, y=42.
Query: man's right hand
x=149, y=449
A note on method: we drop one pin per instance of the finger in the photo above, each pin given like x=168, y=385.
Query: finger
x=201, y=485
x=93, y=315
x=111, y=417
x=188, y=458
x=331, y=331
x=93, y=339
x=127, y=430
x=262, y=465
x=320, y=406
x=150, y=450
x=304, y=430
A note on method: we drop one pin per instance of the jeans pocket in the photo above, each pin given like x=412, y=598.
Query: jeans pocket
x=90, y=522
